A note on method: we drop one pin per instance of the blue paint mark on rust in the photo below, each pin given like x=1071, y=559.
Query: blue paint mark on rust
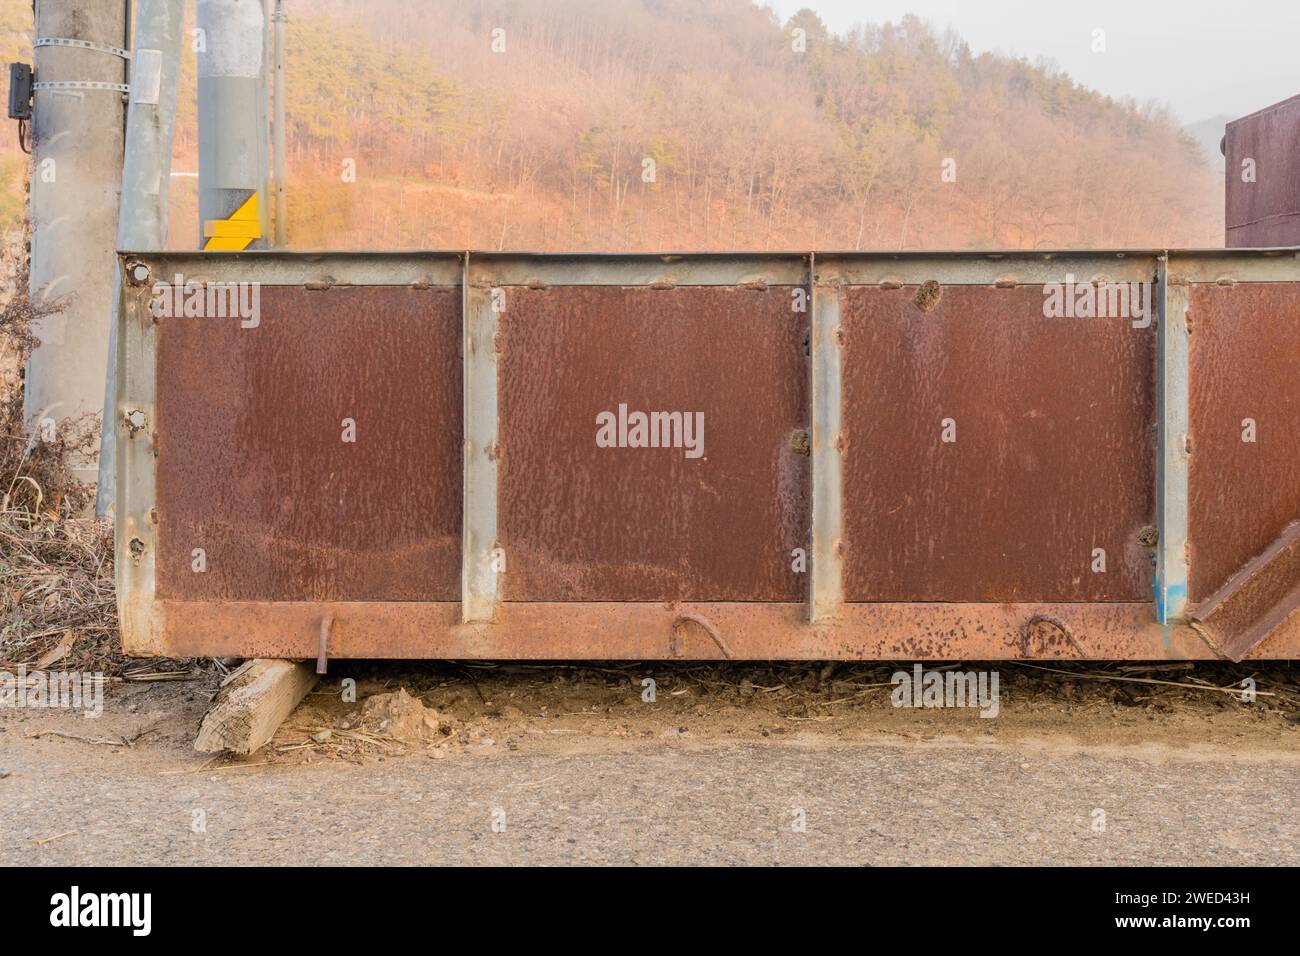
x=1171, y=599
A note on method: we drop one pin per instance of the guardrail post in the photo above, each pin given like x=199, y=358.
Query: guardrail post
x=1172, y=457
x=481, y=313
x=826, y=586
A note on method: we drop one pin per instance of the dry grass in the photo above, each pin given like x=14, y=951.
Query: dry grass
x=57, y=605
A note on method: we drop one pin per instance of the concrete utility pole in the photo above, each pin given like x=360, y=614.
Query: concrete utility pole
x=233, y=163
x=76, y=175
x=146, y=174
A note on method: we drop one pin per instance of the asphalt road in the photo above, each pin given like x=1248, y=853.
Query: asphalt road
x=862, y=804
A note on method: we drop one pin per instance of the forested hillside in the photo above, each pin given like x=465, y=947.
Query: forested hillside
x=658, y=124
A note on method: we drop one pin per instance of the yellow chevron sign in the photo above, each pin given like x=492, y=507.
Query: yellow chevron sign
x=235, y=233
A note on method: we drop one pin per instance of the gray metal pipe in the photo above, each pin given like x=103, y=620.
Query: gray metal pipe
x=233, y=161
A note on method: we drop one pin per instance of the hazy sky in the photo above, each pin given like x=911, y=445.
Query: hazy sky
x=1201, y=57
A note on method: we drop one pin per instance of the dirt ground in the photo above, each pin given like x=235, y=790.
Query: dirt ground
x=360, y=712
x=588, y=770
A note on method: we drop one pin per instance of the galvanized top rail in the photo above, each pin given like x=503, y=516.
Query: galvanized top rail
x=667, y=269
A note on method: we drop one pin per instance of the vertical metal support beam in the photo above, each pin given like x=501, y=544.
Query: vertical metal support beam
x=482, y=311
x=1173, y=459
x=146, y=173
x=135, y=527
x=827, y=586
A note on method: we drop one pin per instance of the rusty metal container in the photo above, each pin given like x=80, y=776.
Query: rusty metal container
x=1262, y=162
x=785, y=456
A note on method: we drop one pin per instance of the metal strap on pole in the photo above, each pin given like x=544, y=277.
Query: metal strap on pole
x=84, y=45
x=81, y=85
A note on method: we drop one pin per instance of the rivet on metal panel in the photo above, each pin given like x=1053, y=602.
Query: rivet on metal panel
x=134, y=421
x=139, y=272
x=663, y=285
x=891, y=283
x=319, y=285
x=754, y=285
x=1006, y=282
x=536, y=284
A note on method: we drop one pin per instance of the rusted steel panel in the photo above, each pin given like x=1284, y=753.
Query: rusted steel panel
x=1255, y=600
x=254, y=469
x=650, y=631
x=1053, y=454
x=580, y=522
x=977, y=549
x=1245, y=359
x=1263, y=195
